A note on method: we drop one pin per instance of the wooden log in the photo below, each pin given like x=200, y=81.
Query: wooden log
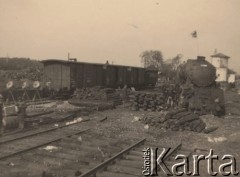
x=170, y=114
x=185, y=119
x=201, y=127
x=211, y=129
x=180, y=115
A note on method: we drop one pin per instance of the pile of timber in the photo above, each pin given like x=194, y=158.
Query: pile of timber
x=96, y=105
x=98, y=97
x=179, y=120
x=98, y=93
x=148, y=101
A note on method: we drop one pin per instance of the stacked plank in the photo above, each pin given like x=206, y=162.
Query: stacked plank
x=148, y=101
x=96, y=105
x=112, y=95
x=96, y=97
x=98, y=94
x=94, y=93
x=179, y=120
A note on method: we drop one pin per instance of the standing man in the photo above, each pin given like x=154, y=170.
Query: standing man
x=124, y=93
x=1, y=115
x=21, y=112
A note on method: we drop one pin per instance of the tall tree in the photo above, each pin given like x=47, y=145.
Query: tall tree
x=152, y=58
x=176, y=61
x=171, y=66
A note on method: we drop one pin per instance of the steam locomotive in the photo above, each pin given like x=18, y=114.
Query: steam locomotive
x=200, y=92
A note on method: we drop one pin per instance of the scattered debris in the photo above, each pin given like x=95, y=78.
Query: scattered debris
x=103, y=119
x=101, y=151
x=50, y=118
x=74, y=121
x=79, y=138
x=216, y=140
x=210, y=129
x=50, y=148
x=65, y=106
x=146, y=126
x=11, y=164
x=135, y=119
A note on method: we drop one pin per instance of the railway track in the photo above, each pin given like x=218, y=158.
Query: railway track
x=129, y=162
x=29, y=141
x=33, y=132
x=73, y=152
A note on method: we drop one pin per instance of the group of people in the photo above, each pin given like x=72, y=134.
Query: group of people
x=171, y=94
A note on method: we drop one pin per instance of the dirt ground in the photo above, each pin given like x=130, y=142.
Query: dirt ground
x=123, y=123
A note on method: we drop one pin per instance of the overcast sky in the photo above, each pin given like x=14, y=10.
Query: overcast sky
x=119, y=30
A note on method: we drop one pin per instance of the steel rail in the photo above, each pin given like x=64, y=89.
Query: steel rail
x=40, y=145
x=173, y=151
x=109, y=161
x=38, y=133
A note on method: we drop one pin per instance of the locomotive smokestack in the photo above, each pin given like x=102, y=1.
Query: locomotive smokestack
x=201, y=58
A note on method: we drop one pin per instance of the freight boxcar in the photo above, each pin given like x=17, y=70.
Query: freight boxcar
x=151, y=76
x=70, y=75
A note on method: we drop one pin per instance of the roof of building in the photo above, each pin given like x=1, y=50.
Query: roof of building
x=230, y=71
x=220, y=55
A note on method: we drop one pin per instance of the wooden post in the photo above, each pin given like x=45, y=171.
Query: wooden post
x=21, y=113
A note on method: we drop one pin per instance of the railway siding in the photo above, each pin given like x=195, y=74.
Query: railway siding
x=83, y=154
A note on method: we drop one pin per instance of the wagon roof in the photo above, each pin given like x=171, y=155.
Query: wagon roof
x=68, y=62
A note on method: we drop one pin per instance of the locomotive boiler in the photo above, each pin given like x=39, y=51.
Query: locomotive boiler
x=200, y=92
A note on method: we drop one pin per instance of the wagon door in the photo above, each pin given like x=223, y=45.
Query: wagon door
x=80, y=75
x=65, y=76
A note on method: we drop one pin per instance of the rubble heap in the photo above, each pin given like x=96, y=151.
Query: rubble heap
x=179, y=120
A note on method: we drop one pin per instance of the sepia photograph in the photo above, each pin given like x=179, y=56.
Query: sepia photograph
x=119, y=88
